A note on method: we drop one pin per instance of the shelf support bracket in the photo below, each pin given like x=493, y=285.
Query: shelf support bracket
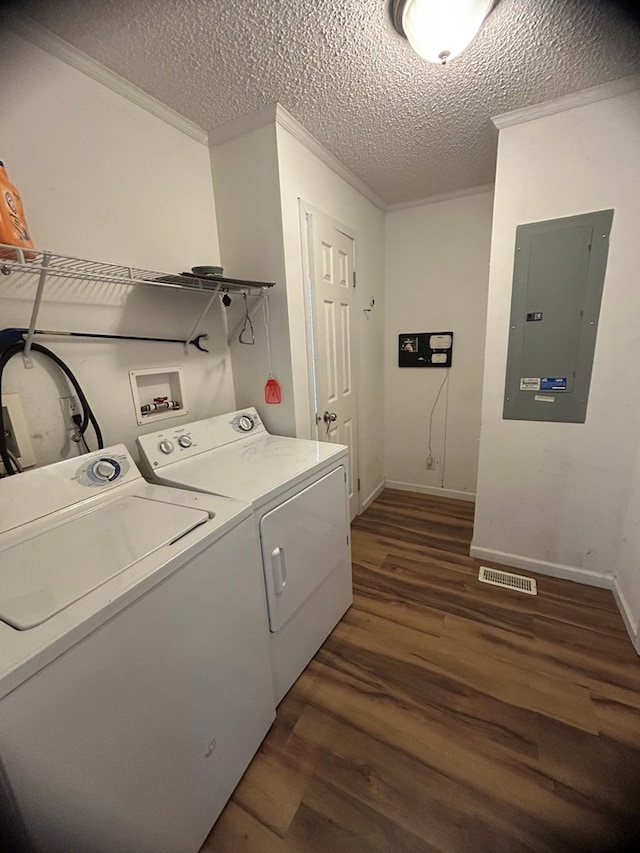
x=26, y=355
x=192, y=334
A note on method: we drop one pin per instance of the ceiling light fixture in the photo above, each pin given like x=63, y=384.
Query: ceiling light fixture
x=438, y=30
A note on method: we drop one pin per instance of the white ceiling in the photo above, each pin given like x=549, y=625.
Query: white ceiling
x=407, y=128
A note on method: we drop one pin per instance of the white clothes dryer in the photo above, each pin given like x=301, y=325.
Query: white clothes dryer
x=298, y=490
x=135, y=683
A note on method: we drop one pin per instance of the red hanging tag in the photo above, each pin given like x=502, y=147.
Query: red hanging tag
x=272, y=391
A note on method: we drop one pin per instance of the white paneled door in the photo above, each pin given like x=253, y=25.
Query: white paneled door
x=332, y=277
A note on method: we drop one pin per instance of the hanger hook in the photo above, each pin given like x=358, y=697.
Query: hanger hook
x=247, y=321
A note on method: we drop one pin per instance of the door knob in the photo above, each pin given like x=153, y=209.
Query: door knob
x=329, y=418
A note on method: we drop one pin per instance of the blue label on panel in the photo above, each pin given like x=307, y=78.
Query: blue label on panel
x=553, y=383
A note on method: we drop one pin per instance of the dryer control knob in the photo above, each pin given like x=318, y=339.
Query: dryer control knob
x=246, y=423
x=185, y=441
x=166, y=446
x=104, y=469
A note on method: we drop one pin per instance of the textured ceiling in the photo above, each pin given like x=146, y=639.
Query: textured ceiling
x=407, y=128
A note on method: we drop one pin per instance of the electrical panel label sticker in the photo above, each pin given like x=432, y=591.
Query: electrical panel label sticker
x=542, y=399
x=530, y=384
x=553, y=383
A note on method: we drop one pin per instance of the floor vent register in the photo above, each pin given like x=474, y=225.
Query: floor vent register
x=518, y=582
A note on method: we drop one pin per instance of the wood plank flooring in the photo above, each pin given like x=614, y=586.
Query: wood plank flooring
x=443, y=714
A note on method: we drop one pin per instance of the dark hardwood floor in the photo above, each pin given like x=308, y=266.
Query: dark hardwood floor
x=443, y=714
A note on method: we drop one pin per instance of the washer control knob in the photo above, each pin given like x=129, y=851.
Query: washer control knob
x=166, y=446
x=245, y=423
x=104, y=470
x=185, y=441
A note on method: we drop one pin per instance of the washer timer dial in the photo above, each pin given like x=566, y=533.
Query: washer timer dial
x=166, y=446
x=104, y=470
x=185, y=441
x=243, y=423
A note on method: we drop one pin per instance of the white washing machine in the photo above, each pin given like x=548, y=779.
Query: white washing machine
x=135, y=683
x=298, y=490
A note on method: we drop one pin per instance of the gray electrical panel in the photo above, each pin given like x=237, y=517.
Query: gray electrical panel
x=558, y=277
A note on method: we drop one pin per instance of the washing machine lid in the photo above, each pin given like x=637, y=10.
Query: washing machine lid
x=252, y=470
x=45, y=567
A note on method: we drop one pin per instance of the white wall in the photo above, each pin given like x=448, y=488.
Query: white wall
x=627, y=558
x=304, y=177
x=102, y=178
x=562, y=497
x=437, y=272
x=247, y=190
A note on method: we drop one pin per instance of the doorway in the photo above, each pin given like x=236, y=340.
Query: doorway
x=330, y=253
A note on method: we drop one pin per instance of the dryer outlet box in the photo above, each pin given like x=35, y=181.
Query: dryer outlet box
x=18, y=440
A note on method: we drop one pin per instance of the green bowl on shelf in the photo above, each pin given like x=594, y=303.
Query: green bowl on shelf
x=208, y=272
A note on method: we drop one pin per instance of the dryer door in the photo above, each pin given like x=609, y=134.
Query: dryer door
x=303, y=540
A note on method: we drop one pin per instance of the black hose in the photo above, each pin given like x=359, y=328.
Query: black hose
x=87, y=412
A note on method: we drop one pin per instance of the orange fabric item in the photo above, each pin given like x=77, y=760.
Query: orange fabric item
x=13, y=223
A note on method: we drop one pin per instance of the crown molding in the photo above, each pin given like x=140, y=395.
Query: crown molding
x=276, y=114
x=53, y=44
x=289, y=123
x=243, y=124
x=434, y=199
x=622, y=86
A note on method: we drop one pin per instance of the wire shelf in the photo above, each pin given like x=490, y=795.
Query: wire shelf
x=64, y=266
x=45, y=264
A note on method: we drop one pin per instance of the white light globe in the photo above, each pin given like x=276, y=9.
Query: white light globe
x=438, y=30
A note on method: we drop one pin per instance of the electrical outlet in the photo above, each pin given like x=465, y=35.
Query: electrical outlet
x=430, y=464
x=70, y=407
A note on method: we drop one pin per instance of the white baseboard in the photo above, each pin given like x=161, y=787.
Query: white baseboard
x=374, y=494
x=556, y=570
x=630, y=623
x=430, y=490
